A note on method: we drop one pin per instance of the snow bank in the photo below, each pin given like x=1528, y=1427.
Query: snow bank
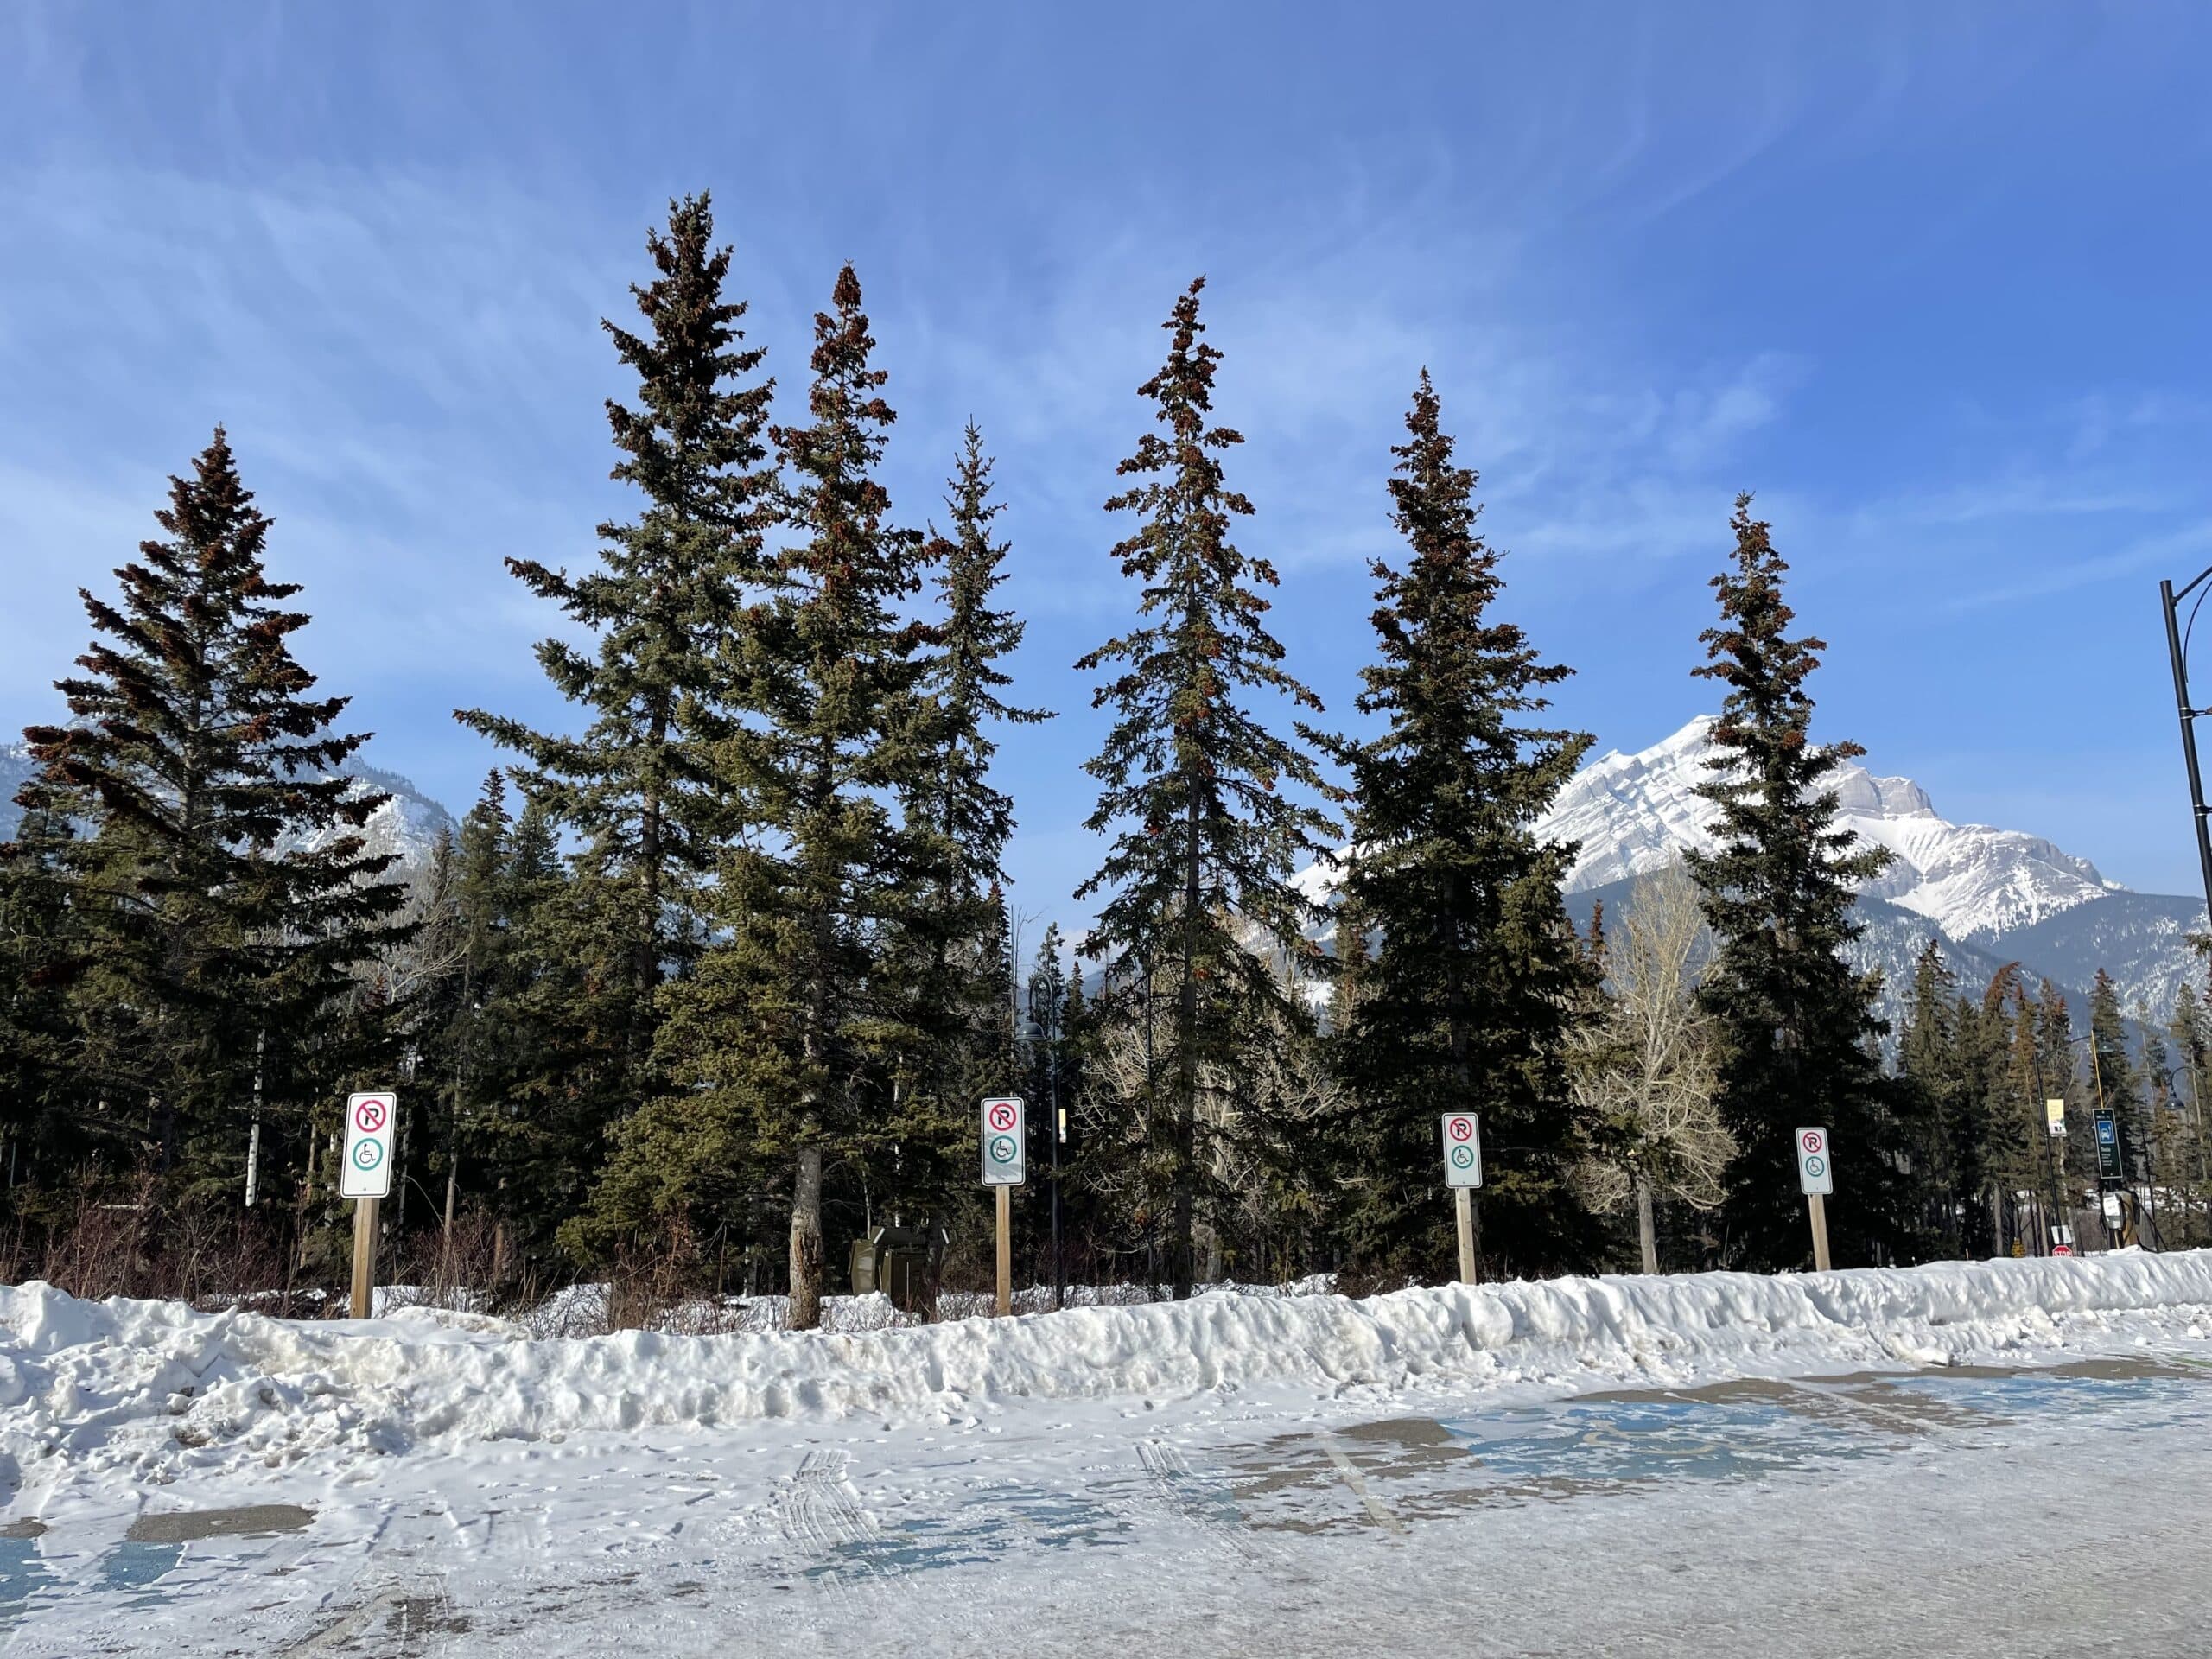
x=158, y=1389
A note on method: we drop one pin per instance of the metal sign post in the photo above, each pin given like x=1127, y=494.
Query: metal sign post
x=1817, y=1180
x=1004, y=1137
x=364, y=1176
x=1463, y=1174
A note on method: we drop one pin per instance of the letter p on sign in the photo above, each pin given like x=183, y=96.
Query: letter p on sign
x=1816, y=1163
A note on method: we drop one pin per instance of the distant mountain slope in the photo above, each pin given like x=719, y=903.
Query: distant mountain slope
x=1892, y=944
x=1635, y=812
x=2137, y=938
x=408, y=824
x=1989, y=896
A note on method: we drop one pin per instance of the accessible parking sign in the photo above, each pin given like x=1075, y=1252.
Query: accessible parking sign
x=1003, y=1141
x=1463, y=1150
x=365, y=1168
x=1816, y=1163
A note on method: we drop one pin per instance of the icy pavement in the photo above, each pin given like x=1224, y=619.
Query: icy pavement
x=2044, y=1493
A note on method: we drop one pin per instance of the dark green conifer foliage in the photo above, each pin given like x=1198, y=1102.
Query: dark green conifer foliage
x=943, y=962
x=2111, y=1077
x=639, y=786
x=224, y=898
x=1194, y=788
x=1938, y=1103
x=1796, y=1023
x=43, y=1131
x=2188, y=1035
x=786, y=1039
x=1467, y=969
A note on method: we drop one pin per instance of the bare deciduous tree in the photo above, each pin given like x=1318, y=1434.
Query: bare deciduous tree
x=1645, y=1065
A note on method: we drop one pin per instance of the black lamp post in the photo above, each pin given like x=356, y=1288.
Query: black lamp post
x=2178, y=650
x=1045, y=1016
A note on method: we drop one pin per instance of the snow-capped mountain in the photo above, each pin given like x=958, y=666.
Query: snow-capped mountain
x=1632, y=813
x=1988, y=896
x=408, y=824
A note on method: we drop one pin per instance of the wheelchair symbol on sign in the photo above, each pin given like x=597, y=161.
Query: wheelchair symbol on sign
x=368, y=1154
x=1463, y=1157
x=1003, y=1149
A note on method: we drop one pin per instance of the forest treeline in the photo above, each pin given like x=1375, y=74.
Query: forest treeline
x=714, y=974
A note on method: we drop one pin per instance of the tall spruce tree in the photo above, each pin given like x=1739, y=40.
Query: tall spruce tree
x=1468, y=970
x=1797, y=1022
x=1195, y=789
x=785, y=1038
x=639, y=786
x=224, y=898
x=944, y=957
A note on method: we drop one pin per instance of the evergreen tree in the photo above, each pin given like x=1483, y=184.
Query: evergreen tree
x=640, y=785
x=1797, y=1024
x=43, y=1127
x=1475, y=974
x=1045, y=999
x=2190, y=1033
x=224, y=898
x=1933, y=1100
x=1192, y=785
x=2112, y=1085
x=945, y=957
x=785, y=1038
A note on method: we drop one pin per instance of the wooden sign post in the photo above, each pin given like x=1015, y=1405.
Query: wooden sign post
x=1463, y=1174
x=364, y=1176
x=1004, y=1143
x=1817, y=1179
x=365, y=1254
x=1006, y=1251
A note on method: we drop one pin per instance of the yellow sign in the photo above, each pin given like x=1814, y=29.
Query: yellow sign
x=2054, y=1116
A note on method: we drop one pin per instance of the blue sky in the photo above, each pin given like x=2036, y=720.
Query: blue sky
x=1929, y=279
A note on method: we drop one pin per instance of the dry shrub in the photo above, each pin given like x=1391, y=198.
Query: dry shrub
x=666, y=1284
x=120, y=1239
x=456, y=1266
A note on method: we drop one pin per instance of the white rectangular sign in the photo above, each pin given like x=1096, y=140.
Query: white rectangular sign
x=1815, y=1162
x=1463, y=1149
x=1005, y=1140
x=365, y=1168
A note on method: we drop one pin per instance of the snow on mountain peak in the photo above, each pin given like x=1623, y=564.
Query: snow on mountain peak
x=1634, y=813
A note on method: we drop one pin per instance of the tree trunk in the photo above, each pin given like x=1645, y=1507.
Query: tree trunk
x=806, y=1241
x=1187, y=1037
x=1647, y=1234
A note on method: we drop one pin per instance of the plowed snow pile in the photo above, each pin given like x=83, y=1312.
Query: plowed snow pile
x=159, y=1390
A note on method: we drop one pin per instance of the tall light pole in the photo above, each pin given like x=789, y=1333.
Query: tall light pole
x=2177, y=652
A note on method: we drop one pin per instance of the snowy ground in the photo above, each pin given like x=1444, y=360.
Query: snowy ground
x=2007, y=1457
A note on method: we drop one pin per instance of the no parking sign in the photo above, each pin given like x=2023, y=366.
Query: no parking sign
x=1003, y=1141
x=365, y=1168
x=1816, y=1163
